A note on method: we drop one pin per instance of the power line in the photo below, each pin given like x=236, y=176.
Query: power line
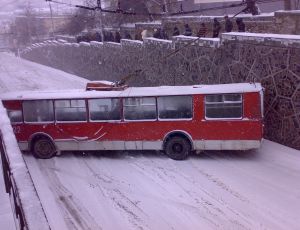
x=119, y=10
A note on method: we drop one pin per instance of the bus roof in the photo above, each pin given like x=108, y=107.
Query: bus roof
x=135, y=92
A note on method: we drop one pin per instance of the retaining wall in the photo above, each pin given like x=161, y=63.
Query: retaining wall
x=273, y=60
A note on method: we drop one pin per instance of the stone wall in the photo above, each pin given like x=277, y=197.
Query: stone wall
x=288, y=22
x=273, y=60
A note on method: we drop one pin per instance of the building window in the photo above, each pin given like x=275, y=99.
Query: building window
x=175, y=107
x=140, y=108
x=222, y=106
x=104, y=109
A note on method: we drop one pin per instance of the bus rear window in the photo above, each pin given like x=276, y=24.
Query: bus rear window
x=38, y=111
x=222, y=106
x=175, y=107
x=104, y=109
x=70, y=110
x=15, y=116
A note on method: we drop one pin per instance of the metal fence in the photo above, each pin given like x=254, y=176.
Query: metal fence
x=10, y=187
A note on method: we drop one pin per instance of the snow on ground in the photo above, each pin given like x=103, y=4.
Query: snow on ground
x=258, y=189
x=216, y=190
x=18, y=74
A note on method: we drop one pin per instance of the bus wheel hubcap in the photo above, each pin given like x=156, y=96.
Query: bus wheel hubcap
x=177, y=148
x=44, y=148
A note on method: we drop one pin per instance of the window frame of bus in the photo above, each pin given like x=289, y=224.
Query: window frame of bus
x=110, y=98
x=141, y=120
x=232, y=102
x=15, y=110
x=70, y=99
x=38, y=122
x=177, y=119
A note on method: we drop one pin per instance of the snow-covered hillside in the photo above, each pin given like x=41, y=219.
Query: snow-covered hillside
x=257, y=189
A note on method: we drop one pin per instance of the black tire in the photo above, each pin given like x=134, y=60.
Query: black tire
x=43, y=148
x=178, y=148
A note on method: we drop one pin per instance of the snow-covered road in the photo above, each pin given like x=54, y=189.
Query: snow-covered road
x=145, y=190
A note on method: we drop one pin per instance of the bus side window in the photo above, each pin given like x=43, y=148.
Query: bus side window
x=38, y=111
x=15, y=116
x=140, y=108
x=105, y=109
x=175, y=107
x=226, y=106
x=70, y=110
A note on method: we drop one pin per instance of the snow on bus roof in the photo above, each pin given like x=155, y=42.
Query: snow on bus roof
x=135, y=91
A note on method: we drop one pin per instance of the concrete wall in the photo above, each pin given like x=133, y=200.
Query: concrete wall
x=273, y=60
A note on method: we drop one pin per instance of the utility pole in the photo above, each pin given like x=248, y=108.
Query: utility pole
x=98, y=15
x=166, y=6
x=52, y=23
x=29, y=21
x=287, y=5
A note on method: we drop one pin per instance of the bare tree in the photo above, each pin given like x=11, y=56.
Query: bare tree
x=25, y=26
x=87, y=19
x=82, y=19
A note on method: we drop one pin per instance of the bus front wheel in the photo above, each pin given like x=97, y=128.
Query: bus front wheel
x=44, y=148
x=178, y=148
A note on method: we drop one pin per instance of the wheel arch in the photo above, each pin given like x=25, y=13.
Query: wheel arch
x=180, y=133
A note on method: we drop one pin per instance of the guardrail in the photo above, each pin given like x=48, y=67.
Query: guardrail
x=26, y=206
x=10, y=187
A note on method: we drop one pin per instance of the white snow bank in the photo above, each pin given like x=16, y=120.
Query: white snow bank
x=84, y=44
x=158, y=22
x=194, y=38
x=30, y=203
x=131, y=42
x=96, y=43
x=211, y=17
x=263, y=35
x=150, y=39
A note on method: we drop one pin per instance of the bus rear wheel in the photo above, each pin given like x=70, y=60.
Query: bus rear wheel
x=178, y=148
x=44, y=148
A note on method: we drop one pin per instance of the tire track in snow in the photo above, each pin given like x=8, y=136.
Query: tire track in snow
x=246, y=217
x=162, y=202
x=166, y=177
x=126, y=205
x=76, y=216
x=228, y=158
x=213, y=204
x=206, y=201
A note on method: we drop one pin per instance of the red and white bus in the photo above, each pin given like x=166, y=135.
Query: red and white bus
x=176, y=119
